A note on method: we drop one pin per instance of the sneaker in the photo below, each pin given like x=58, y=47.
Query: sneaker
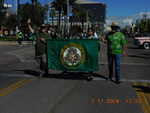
x=89, y=78
x=110, y=78
x=41, y=74
x=117, y=81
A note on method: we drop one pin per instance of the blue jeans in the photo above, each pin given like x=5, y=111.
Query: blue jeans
x=111, y=59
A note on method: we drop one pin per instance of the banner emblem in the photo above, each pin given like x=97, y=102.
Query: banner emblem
x=72, y=55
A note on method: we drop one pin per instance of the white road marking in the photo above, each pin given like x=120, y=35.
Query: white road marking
x=20, y=57
x=17, y=75
x=137, y=64
x=124, y=80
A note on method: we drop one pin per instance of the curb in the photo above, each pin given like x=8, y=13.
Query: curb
x=14, y=42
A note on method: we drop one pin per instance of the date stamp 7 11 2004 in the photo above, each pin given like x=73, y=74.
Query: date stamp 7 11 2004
x=115, y=101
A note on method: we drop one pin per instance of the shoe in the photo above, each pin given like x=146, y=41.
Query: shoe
x=41, y=74
x=117, y=81
x=110, y=78
x=89, y=78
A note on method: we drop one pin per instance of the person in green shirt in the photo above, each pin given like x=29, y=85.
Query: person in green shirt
x=116, y=45
x=19, y=36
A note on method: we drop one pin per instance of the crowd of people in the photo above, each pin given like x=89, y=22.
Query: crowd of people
x=115, y=39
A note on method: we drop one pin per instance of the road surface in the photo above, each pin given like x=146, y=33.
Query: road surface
x=22, y=91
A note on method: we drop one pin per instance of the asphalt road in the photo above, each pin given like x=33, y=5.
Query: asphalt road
x=22, y=91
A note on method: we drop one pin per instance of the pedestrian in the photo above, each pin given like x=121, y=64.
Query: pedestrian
x=32, y=33
x=90, y=34
x=116, y=45
x=40, y=46
x=84, y=34
x=19, y=36
x=95, y=35
x=53, y=34
x=1, y=32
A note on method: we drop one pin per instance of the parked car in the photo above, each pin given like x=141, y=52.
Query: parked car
x=142, y=41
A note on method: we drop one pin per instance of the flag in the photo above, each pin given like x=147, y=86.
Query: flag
x=73, y=55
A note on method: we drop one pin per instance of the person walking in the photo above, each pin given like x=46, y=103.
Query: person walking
x=116, y=45
x=19, y=36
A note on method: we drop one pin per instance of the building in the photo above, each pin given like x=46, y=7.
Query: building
x=96, y=11
x=95, y=15
x=7, y=5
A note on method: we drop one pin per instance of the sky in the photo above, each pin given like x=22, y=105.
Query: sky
x=117, y=7
x=126, y=7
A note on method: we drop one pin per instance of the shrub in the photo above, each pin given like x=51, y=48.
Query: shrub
x=8, y=38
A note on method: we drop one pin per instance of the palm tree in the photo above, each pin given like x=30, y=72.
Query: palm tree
x=1, y=3
x=1, y=11
x=34, y=3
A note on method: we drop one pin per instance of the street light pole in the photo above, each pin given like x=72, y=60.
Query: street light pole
x=17, y=13
x=68, y=17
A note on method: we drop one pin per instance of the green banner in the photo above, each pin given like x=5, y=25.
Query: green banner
x=73, y=55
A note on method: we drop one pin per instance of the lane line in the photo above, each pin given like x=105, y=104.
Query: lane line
x=147, y=85
x=13, y=87
x=144, y=98
x=141, y=95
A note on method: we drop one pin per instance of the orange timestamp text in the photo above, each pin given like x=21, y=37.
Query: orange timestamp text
x=115, y=101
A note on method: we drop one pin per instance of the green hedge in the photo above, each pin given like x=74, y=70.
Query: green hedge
x=13, y=38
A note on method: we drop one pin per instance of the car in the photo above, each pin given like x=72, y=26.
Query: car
x=142, y=41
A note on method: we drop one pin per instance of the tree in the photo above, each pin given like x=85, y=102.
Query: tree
x=26, y=11
x=148, y=25
x=2, y=12
x=10, y=21
x=144, y=25
x=1, y=5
